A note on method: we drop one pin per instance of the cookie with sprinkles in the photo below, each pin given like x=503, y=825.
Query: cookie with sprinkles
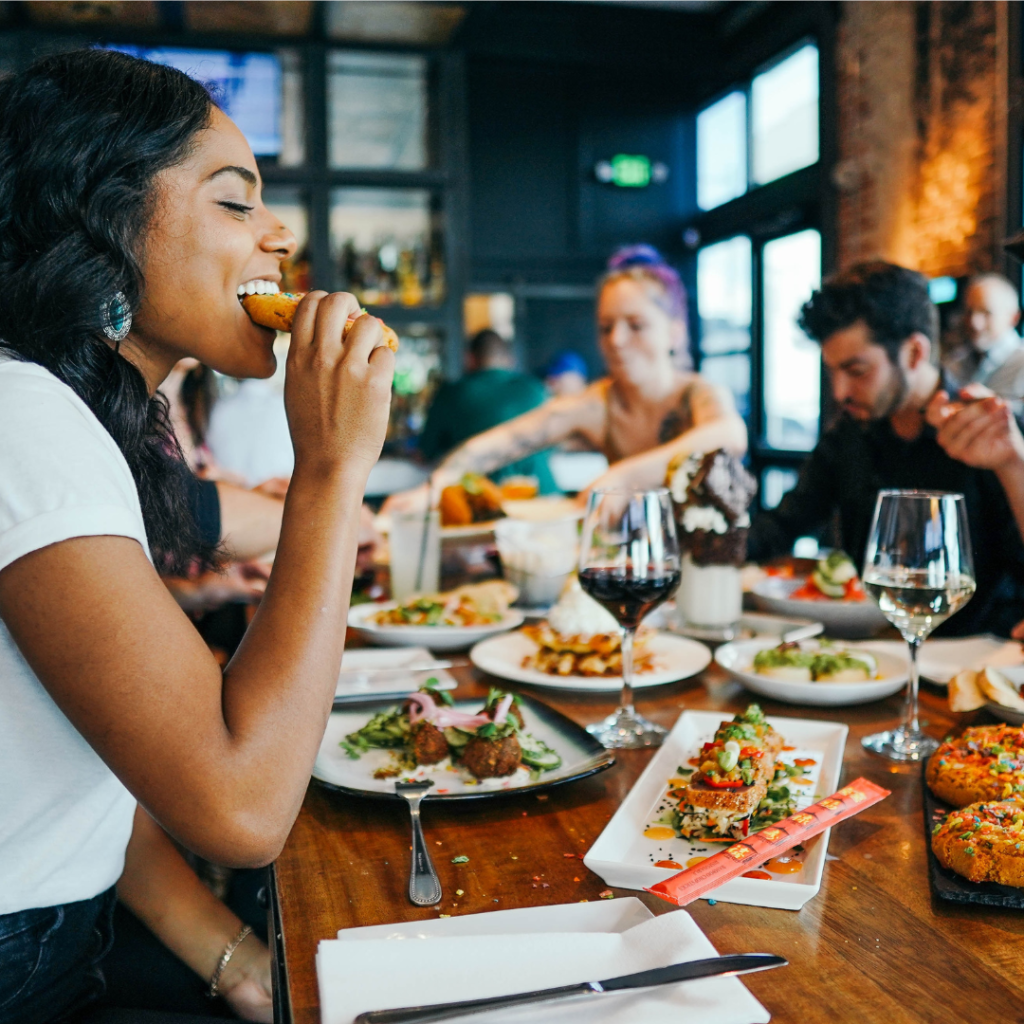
x=985, y=763
x=983, y=842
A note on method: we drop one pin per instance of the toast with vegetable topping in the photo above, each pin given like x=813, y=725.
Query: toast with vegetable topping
x=794, y=663
x=736, y=769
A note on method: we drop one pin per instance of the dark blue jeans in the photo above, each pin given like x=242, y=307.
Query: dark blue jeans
x=51, y=969
x=49, y=959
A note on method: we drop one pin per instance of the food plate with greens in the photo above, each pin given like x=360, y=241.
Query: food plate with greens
x=832, y=595
x=447, y=621
x=469, y=749
x=819, y=672
x=716, y=779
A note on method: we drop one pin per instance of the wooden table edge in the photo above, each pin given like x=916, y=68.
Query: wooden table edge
x=278, y=958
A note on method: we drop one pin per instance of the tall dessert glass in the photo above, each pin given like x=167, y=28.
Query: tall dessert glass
x=629, y=563
x=920, y=570
x=711, y=493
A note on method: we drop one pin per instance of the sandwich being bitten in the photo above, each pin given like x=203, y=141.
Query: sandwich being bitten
x=276, y=310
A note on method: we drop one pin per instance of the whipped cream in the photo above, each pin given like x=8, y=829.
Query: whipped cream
x=704, y=517
x=680, y=479
x=578, y=614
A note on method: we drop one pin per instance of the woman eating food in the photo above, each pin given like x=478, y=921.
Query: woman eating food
x=646, y=411
x=131, y=220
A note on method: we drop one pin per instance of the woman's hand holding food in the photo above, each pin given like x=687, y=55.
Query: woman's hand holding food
x=337, y=388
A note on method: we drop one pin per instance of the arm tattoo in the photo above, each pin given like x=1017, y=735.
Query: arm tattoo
x=507, y=443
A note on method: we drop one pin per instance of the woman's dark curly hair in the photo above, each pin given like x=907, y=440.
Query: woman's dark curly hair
x=82, y=135
x=892, y=301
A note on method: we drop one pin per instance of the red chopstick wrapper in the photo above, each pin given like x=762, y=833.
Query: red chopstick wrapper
x=691, y=884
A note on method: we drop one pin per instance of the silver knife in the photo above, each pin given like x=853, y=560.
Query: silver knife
x=742, y=963
x=425, y=666
x=369, y=697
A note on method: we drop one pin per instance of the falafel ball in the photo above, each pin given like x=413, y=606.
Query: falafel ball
x=491, y=759
x=428, y=743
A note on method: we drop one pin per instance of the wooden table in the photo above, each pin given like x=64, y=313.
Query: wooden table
x=873, y=945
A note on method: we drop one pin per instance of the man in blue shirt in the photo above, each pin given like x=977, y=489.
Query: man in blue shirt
x=492, y=392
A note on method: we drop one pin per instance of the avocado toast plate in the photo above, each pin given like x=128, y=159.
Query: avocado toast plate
x=737, y=658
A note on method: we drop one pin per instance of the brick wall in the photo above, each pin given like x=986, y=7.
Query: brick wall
x=922, y=133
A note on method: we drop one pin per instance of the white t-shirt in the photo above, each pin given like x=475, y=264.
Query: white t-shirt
x=65, y=819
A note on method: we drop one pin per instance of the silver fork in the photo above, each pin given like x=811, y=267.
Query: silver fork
x=424, y=885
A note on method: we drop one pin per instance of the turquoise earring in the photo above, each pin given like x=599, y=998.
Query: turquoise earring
x=117, y=317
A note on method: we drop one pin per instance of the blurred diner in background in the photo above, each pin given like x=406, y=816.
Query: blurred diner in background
x=587, y=434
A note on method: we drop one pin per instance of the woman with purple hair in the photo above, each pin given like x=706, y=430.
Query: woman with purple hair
x=650, y=408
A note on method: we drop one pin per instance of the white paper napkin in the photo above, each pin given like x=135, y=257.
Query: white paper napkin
x=370, y=670
x=376, y=974
x=941, y=659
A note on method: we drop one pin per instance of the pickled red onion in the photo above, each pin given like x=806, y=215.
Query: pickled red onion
x=422, y=708
x=501, y=712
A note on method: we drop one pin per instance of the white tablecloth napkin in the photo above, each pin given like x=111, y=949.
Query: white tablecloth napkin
x=360, y=975
x=370, y=670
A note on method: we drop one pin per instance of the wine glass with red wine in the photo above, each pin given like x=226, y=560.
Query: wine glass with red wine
x=629, y=563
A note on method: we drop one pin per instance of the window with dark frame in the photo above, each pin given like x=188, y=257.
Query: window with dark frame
x=758, y=148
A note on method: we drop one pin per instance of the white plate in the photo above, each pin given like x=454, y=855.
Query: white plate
x=675, y=658
x=543, y=509
x=624, y=856
x=382, y=524
x=737, y=659
x=437, y=638
x=581, y=755
x=849, y=619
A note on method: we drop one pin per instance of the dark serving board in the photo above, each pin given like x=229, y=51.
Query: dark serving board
x=948, y=885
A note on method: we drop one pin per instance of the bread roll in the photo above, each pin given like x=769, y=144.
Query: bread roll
x=998, y=688
x=277, y=311
x=964, y=692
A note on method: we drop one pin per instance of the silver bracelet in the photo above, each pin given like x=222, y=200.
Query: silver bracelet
x=229, y=952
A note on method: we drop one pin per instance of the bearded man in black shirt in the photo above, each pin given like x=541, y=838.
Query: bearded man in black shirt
x=898, y=428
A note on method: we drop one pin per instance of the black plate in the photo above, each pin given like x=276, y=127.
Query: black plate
x=593, y=757
x=948, y=885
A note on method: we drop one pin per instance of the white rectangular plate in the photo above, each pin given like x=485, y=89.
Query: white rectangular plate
x=625, y=857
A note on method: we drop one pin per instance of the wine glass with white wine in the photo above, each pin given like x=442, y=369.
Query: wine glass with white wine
x=920, y=570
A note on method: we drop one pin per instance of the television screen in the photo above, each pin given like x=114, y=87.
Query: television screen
x=246, y=86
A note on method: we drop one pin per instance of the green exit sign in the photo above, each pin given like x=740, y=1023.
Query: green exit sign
x=628, y=170
x=631, y=171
